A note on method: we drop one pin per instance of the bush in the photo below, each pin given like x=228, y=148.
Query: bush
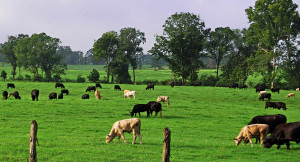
x=94, y=76
x=37, y=78
x=208, y=80
x=20, y=77
x=3, y=75
x=80, y=79
x=57, y=78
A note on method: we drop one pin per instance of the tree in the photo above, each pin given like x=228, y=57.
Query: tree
x=106, y=48
x=272, y=21
x=94, y=76
x=219, y=44
x=7, y=50
x=130, y=41
x=3, y=75
x=70, y=57
x=119, y=69
x=181, y=44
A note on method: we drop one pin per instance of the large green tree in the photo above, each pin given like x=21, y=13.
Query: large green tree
x=219, y=44
x=181, y=44
x=272, y=22
x=130, y=41
x=8, y=51
x=106, y=48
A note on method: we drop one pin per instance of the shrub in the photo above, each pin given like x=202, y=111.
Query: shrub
x=94, y=76
x=80, y=79
x=20, y=77
x=56, y=78
x=3, y=75
x=37, y=78
x=27, y=77
x=208, y=80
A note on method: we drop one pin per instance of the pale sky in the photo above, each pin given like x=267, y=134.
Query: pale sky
x=78, y=23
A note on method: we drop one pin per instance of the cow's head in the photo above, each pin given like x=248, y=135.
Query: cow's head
x=131, y=113
x=269, y=142
x=237, y=141
x=109, y=138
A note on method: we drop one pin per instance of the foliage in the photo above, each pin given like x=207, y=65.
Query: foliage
x=20, y=77
x=3, y=75
x=119, y=69
x=181, y=43
x=70, y=57
x=94, y=76
x=80, y=79
x=37, y=78
x=27, y=77
x=208, y=80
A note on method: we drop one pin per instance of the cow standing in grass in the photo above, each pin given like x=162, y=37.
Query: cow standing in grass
x=5, y=95
x=260, y=130
x=35, y=94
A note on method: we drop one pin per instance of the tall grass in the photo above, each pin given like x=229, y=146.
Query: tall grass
x=203, y=122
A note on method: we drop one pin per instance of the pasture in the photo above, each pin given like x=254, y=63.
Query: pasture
x=203, y=122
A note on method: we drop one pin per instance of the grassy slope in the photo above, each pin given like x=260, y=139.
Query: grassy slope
x=203, y=121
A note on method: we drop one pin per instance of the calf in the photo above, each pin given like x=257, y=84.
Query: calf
x=5, y=95
x=129, y=94
x=117, y=87
x=248, y=131
x=53, y=95
x=138, y=108
x=126, y=125
x=164, y=99
x=61, y=96
x=90, y=88
x=98, y=85
x=290, y=95
x=275, y=90
x=297, y=89
x=85, y=96
x=15, y=94
x=97, y=94
x=149, y=86
x=59, y=85
x=276, y=105
x=155, y=106
x=65, y=91
x=265, y=95
x=283, y=134
x=11, y=85
x=35, y=94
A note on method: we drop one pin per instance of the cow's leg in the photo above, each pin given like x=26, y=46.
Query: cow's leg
x=160, y=113
x=122, y=135
x=32, y=98
x=119, y=138
x=134, y=136
x=36, y=98
x=140, y=113
x=250, y=139
x=288, y=145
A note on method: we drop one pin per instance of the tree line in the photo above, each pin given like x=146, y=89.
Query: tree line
x=269, y=47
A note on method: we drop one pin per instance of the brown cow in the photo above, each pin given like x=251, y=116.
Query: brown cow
x=252, y=130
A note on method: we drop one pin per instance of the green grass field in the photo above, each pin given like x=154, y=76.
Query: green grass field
x=203, y=122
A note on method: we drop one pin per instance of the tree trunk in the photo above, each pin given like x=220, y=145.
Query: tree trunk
x=167, y=141
x=107, y=71
x=14, y=72
x=218, y=71
x=273, y=71
x=33, y=140
x=133, y=74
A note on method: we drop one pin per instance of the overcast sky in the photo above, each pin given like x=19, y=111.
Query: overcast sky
x=77, y=23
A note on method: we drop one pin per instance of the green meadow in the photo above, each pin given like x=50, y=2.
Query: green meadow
x=203, y=122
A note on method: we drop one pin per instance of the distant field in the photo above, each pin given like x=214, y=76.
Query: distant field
x=203, y=122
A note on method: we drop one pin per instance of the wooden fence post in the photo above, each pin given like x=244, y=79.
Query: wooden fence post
x=167, y=141
x=33, y=139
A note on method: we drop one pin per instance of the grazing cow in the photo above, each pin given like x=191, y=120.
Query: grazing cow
x=5, y=94
x=85, y=96
x=35, y=94
x=126, y=125
x=61, y=96
x=271, y=120
x=117, y=87
x=155, y=106
x=98, y=85
x=125, y=91
x=164, y=99
x=283, y=134
x=91, y=88
x=276, y=105
x=260, y=130
x=234, y=85
x=297, y=89
x=290, y=95
x=53, y=95
x=172, y=84
x=15, y=94
x=261, y=92
x=59, y=85
x=275, y=90
x=97, y=94
x=65, y=91
x=149, y=86
x=243, y=86
x=129, y=94
x=265, y=95
x=260, y=88
x=11, y=85
x=138, y=108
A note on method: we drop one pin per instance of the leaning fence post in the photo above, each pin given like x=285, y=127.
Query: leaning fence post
x=167, y=141
x=33, y=139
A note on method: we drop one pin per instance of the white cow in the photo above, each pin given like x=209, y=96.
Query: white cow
x=164, y=99
x=129, y=94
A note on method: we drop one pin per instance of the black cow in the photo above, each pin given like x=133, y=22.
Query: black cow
x=260, y=88
x=283, y=134
x=234, y=85
x=35, y=94
x=15, y=94
x=149, y=86
x=117, y=87
x=155, y=106
x=275, y=90
x=90, y=88
x=276, y=105
x=53, y=95
x=172, y=84
x=140, y=108
x=271, y=120
x=60, y=96
x=5, y=94
x=64, y=91
x=265, y=95
x=85, y=96
x=98, y=85
x=11, y=85
x=59, y=85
